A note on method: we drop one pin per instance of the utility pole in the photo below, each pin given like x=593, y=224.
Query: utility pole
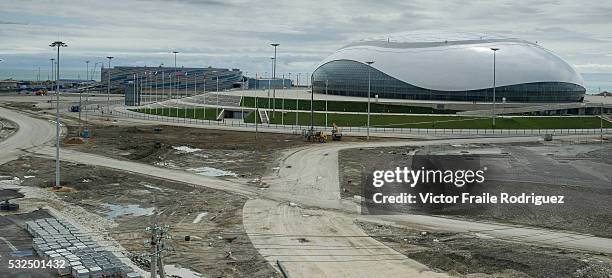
x=158, y=235
x=109, y=84
x=58, y=45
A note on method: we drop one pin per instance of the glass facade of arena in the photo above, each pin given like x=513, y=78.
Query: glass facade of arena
x=350, y=78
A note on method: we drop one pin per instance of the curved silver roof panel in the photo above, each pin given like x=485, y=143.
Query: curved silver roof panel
x=458, y=61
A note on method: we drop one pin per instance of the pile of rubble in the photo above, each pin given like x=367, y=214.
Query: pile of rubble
x=58, y=241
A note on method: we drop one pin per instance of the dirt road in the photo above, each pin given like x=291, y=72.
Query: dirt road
x=32, y=133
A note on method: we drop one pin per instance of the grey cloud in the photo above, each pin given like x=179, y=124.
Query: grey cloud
x=2, y=22
x=237, y=33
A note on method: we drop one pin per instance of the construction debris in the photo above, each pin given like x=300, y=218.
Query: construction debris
x=78, y=255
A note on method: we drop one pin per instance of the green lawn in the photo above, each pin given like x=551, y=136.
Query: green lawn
x=403, y=121
x=415, y=121
x=211, y=113
x=345, y=106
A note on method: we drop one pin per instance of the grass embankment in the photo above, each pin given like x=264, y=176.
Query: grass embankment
x=211, y=113
x=344, y=106
x=415, y=121
x=399, y=121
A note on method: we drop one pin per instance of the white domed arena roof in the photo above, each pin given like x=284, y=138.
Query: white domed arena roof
x=458, y=61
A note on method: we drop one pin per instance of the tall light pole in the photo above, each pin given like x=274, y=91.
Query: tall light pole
x=217, y=93
x=81, y=93
x=274, y=77
x=369, y=89
x=494, y=85
x=326, y=83
x=283, y=102
x=244, y=79
x=52, y=70
x=109, y=84
x=311, y=107
x=52, y=78
x=87, y=73
x=174, y=79
x=270, y=82
x=58, y=45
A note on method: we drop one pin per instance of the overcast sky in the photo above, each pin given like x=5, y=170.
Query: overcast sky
x=237, y=33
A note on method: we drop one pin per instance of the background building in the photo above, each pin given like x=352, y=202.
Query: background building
x=170, y=77
x=265, y=83
x=449, y=67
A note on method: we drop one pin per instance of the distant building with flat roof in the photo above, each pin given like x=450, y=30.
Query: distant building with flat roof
x=169, y=77
x=265, y=83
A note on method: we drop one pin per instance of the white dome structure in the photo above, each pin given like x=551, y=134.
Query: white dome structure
x=453, y=67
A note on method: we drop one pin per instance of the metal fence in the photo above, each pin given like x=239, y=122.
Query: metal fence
x=296, y=129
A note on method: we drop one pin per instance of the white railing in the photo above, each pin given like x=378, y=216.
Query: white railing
x=295, y=129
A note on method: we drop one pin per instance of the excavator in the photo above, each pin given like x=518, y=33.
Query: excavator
x=319, y=136
x=315, y=136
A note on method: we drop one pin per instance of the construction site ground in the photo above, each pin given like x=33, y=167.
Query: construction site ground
x=225, y=154
x=125, y=204
x=580, y=171
x=465, y=255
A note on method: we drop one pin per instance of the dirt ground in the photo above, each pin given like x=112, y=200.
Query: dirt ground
x=236, y=152
x=464, y=255
x=218, y=245
x=580, y=172
x=7, y=128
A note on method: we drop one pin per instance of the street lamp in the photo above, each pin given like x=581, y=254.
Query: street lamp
x=81, y=93
x=244, y=80
x=369, y=89
x=494, y=51
x=173, y=88
x=311, y=106
x=270, y=81
x=58, y=45
x=326, y=84
x=217, y=93
x=52, y=79
x=109, y=85
x=274, y=77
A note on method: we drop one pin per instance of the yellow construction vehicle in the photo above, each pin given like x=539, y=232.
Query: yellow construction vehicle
x=336, y=135
x=41, y=92
x=315, y=136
